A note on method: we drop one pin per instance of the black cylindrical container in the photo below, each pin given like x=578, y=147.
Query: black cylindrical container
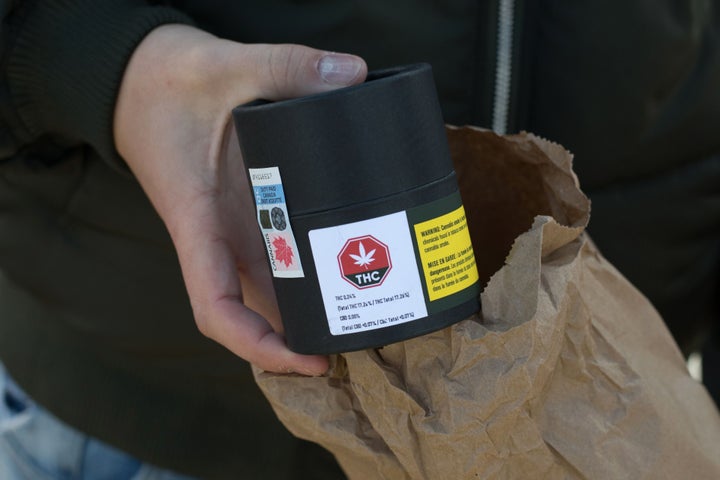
x=358, y=205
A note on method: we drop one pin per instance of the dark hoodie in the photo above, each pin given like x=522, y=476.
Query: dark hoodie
x=95, y=322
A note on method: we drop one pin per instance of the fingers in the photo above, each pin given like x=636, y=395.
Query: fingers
x=288, y=71
x=214, y=288
x=248, y=335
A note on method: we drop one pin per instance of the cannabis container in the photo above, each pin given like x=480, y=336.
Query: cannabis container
x=358, y=206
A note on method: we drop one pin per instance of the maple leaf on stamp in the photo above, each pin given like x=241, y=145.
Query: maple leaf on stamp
x=363, y=259
x=283, y=251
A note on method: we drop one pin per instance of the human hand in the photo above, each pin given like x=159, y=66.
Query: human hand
x=172, y=126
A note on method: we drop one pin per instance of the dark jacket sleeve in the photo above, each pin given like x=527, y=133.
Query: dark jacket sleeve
x=62, y=64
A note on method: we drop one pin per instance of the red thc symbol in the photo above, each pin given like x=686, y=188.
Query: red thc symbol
x=364, y=262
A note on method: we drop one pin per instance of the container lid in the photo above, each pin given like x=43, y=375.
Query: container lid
x=352, y=145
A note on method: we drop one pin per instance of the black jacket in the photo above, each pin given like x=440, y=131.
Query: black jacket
x=630, y=87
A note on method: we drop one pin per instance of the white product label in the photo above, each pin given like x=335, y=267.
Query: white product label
x=368, y=274
x=273, y=218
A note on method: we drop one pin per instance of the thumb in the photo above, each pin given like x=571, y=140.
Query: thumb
x=289, y=71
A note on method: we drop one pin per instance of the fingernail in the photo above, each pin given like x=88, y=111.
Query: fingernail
x=339, y=69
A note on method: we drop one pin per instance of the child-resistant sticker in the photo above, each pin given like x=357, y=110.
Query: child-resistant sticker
x=272, y=216
x=396, y=268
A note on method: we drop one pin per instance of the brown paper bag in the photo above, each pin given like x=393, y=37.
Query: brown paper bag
x=568, y=372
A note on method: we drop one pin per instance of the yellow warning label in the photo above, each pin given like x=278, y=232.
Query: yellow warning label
x=446, y=253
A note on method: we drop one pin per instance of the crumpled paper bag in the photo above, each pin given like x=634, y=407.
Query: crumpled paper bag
x=568, y=371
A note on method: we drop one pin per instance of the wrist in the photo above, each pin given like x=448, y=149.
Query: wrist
x=175, y=71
